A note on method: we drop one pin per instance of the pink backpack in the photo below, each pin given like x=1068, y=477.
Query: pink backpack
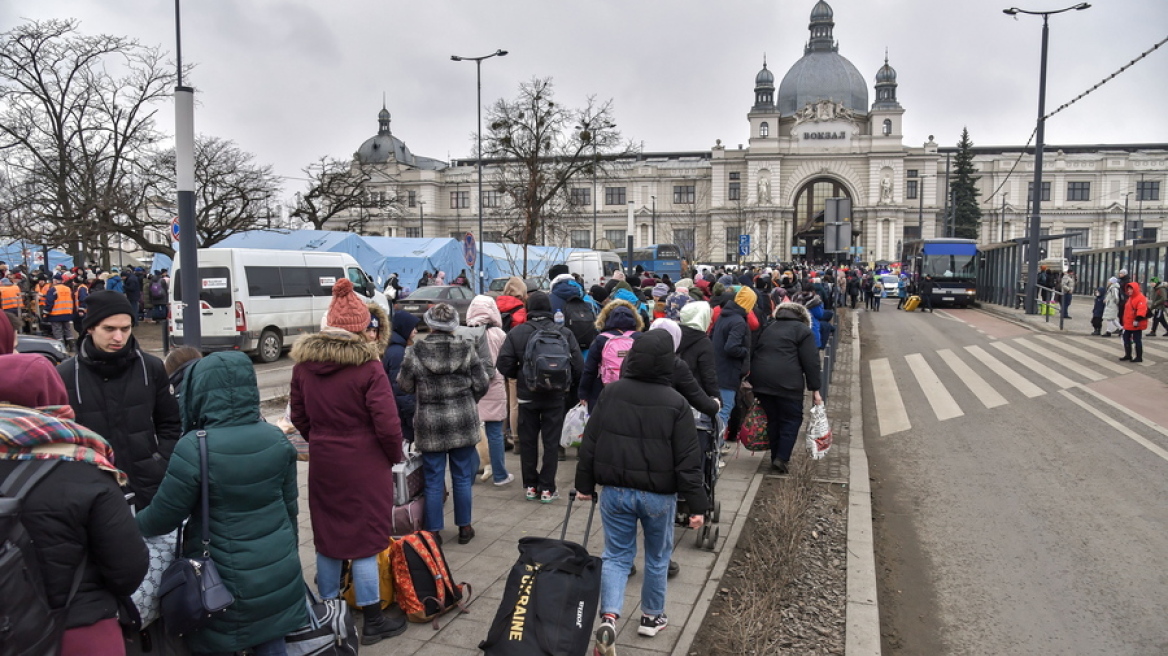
x=613, y=356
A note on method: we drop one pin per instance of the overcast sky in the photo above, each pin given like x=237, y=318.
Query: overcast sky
x=291, y=80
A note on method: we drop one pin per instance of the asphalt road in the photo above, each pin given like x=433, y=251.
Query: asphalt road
x=1020, y=487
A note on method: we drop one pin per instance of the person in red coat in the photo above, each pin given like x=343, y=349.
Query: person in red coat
x=343, y=405
x=1135, y=321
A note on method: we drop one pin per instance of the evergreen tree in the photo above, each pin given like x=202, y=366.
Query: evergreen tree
x=966, y=213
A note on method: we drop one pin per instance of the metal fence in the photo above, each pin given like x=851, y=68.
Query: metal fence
x=829, y=353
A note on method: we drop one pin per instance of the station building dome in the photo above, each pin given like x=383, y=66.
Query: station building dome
x=822, y=73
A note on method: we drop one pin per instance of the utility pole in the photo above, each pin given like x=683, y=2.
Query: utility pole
x=948, y=196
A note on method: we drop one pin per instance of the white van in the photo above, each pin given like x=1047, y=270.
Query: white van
x=262, y=301
x=595, y=267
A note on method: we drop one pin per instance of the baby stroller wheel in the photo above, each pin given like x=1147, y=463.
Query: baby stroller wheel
x=717, y=514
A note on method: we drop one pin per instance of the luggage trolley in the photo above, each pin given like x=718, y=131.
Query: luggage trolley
x=711, y=439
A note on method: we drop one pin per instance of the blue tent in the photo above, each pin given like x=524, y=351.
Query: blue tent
x=308, y=240
x=12, y=252
x=501, y=260
x=409, y=257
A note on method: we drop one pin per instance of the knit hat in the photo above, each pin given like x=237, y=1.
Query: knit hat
x=746, y=299
x=670, y=326
x=598, y=293
x=539, y=302
x=346, y=311
x=102, y=305
x=404, y=323
x=660, y=290
x=441, y=318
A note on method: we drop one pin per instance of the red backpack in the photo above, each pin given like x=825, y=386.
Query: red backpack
x=422, y=582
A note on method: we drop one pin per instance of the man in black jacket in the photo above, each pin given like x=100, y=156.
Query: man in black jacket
x=641, y=444
x=541, y=413
x=925, y=290
x=123, y=394
x=732, y=348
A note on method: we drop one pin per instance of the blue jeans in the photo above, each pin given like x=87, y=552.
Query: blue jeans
x=620, y=510
x=464, y=462
x=497, y=449
x=728, y=396
x=784, y=417
x=366, y=579
x=273, y=647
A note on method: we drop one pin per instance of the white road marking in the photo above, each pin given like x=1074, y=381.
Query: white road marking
x=1111, y=347
x=1034, y=365
x=1061, y=360
x=1153, y=347
x=985, y=392
x=1128, y=412
x=1027, y=388
x=1078, y=352
x=1135, y=437
x=939, y=398
x=890, y=410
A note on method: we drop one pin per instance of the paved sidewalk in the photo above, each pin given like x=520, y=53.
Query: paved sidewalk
x=502, y=516
x=1078, y=324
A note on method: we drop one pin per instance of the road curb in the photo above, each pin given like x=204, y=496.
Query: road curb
x=698, y=615
x=863, y=615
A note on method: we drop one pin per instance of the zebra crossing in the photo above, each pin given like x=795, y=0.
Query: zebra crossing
x=1033, y=366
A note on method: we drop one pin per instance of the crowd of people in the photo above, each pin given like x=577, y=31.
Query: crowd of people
x=640, y=353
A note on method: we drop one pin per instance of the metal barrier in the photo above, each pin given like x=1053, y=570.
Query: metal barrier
x=1143, y=262
x=829, y=353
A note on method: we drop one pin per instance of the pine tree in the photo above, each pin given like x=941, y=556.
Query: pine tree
x=966, y=213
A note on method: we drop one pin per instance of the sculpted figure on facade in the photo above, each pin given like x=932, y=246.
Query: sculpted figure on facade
x=764, y=191
x=886, y=190
x=823, y=110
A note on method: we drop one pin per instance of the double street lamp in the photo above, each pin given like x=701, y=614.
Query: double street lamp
x=479, y=150
x=1040, y=140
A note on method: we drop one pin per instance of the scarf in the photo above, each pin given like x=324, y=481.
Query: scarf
x=48, y=433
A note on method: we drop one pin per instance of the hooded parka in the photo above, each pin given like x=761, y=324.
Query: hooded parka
x=696, y=348
x=1135, y=310
x=253, y=505
x=483, y=312
x=343, y=405
x=786, y=359
x=616, y=317
x=448, y=378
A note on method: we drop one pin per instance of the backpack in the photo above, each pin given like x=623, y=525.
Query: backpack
x=157, y=290
x=581, y=320
x=422, y=582
x=547, y=361
x=613, y=356
x=30, y=625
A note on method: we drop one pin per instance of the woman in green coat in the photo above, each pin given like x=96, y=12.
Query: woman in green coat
x=252, y=479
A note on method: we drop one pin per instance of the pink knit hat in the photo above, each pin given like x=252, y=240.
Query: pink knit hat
x=347, y=312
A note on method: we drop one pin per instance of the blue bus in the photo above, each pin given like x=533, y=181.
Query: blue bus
x=658, y=258
x=952, y=263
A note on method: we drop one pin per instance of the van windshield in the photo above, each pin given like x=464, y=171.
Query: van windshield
x=214, y=283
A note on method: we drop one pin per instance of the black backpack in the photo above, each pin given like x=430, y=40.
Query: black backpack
x=28, y=624
x=547, y=361
x=581, y=320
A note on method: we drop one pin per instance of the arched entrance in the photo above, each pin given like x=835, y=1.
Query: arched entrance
x=808, y=221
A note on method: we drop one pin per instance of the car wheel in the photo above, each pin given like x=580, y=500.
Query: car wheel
x=270, y=346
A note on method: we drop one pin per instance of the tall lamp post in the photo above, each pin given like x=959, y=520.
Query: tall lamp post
x=184, y=150
x=1040, y=140
x=422, y=219
x=479, y=150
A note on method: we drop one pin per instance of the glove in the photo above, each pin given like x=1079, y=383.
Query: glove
x=1141, y=318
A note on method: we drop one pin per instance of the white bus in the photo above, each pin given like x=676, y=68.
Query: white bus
x=261, y=301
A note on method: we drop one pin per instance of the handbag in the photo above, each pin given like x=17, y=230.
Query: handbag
x=191, y=591
x=161, y=549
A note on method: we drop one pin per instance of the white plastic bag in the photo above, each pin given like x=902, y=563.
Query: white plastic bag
x=574, y=421
x=818, y=432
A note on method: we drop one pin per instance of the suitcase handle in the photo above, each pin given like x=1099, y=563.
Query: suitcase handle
x=568, y=515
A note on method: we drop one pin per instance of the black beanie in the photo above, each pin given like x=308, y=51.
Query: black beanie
x=538, y=302
x=104, y=304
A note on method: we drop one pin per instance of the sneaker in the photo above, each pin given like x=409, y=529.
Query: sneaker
x=505, y=481
x=532, y=494
x=548, y=496
x=606, y=637
x=650, y=624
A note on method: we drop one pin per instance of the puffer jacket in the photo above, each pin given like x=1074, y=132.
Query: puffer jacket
x=448, y=378
x=510, y=303
x=610, y=322
x=641, y=434
x=510, y=362
x=484, y=313
x=404, y=324
x=1160, y=295
x=1111, y=302
x=125, y=397
x=731, y=340
x=1135, y=310
x=253, y=505
x=696, y=350
x=786, y=359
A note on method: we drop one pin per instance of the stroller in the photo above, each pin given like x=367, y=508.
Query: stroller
x=711, y=438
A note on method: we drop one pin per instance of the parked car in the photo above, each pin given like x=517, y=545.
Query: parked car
x=51, y=348
x=423, y=299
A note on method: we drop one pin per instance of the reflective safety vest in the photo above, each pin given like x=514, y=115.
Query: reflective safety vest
x=9, y=297
x=42, y=289
x=63, y=306
x=80, y=295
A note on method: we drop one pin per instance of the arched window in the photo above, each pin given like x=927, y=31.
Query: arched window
x=887, y=127
x=764, y=129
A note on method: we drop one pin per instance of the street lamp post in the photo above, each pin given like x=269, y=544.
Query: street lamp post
x=422, y=219
x=1036, y=218
x=479, y=149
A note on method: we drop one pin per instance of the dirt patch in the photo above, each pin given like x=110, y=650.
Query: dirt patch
x=785, y=589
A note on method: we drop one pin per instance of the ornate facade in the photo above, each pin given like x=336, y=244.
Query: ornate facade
x=815, y=137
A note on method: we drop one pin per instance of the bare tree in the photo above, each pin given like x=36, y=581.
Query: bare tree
x=339, y=190
x=538, y=148
x=73, y=133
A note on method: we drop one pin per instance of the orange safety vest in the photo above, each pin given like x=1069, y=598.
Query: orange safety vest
x=77, y=297
x=10, y=297
x=64, y=303
x=42, y=288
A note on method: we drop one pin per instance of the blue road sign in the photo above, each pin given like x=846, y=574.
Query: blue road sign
x=469, y=250
x=174, y=229
x=744, y=244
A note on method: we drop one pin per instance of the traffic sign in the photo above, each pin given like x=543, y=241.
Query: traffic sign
x=469, y=250
x=174, y=228
x=744, y=244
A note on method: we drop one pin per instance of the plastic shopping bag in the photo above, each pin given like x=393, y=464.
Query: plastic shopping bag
x=573, y=433
x=818, y=432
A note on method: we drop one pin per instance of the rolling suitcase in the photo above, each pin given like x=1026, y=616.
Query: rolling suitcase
x=551, y=598
x=407, y=518
x=912, y=303
x=407, y=479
